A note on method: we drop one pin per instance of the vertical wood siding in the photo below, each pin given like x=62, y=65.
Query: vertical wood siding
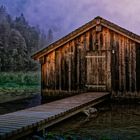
x=98, y=60
x=124, y=71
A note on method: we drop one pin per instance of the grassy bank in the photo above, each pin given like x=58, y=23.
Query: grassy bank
x=18, y=84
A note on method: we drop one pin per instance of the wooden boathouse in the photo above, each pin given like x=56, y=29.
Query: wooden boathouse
x=99, y=56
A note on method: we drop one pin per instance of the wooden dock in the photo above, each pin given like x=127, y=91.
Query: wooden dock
x=21, y=123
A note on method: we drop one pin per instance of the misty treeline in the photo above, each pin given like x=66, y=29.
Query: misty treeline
x=18, y=41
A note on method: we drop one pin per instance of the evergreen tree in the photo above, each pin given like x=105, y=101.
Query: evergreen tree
x=4, y=34
x=18, y=40
x=50, y=36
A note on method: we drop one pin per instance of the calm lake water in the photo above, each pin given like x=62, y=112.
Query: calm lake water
x=112, y=122
x=20, y=104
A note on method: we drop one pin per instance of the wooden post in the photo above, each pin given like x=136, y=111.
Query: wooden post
x=108, y=61
x=60, y=72
x=70, y=55
x=120, y=57
x=78, y=68
x=124, y=64
x=130, y=76
x=134, y=53
x=127, y=65
x=97, y=71
x=133, y=68
x=55, y=72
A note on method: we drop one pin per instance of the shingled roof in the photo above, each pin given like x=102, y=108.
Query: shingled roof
x=84, y=28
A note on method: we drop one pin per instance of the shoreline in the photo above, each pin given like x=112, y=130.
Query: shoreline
x=16, y=96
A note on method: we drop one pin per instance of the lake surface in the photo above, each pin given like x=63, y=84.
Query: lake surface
x=20, y=104
x=113, y=121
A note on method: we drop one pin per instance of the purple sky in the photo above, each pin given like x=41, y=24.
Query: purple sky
x=66, y=15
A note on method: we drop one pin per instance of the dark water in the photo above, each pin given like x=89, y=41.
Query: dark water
x=20, y=104
x=112, y=122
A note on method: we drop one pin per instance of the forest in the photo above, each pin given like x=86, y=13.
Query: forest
x=19, y=74
x=18, y=41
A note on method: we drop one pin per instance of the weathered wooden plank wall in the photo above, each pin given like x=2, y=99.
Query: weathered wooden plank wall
x=138, y=67
x=100, y=60
x=124, y=71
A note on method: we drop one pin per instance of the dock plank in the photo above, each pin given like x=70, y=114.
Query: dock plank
x=24, y=122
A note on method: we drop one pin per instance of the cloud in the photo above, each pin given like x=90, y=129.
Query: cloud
x=63, y=16
x=124, y=12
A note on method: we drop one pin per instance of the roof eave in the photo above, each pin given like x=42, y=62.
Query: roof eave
x=83, y=29
x=64, y=40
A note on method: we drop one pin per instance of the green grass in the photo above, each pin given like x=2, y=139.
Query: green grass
x=19, y=82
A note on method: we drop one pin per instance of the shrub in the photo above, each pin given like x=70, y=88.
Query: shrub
x=20, y=78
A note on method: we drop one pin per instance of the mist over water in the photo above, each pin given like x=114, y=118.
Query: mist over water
x=63, y=16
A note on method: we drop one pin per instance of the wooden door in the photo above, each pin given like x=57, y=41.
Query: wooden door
x=96, y=71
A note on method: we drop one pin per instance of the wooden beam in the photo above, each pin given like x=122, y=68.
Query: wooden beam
x=120, y=32
x=63, y=41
